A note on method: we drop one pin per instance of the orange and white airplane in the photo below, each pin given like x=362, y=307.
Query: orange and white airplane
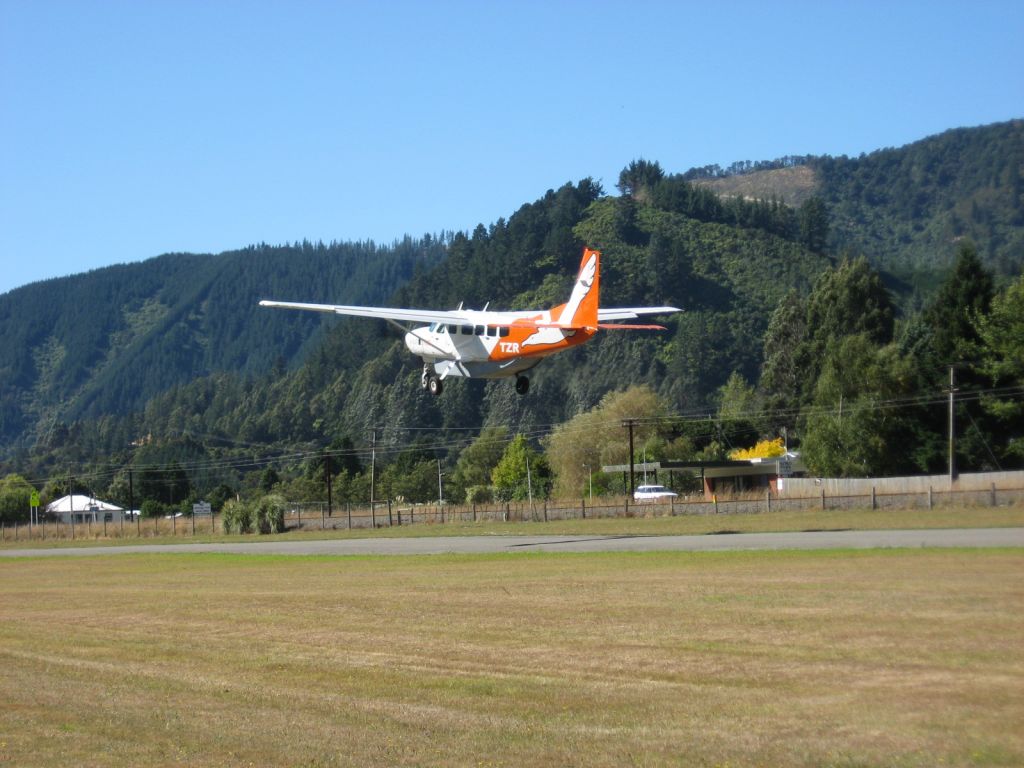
x=492, y=345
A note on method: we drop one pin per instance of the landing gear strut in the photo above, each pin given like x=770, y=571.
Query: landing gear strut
x=522, y=385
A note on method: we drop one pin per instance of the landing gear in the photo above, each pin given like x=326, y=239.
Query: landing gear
x=522, y=385
x=430, y=382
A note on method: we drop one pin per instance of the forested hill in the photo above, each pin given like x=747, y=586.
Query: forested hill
x=176, y=348
x=906, y=209
x=108, y=341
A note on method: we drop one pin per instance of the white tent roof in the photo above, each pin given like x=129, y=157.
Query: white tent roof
x=81, y=503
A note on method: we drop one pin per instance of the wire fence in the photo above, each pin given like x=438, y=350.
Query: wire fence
x=317, y=515
x=390, y=514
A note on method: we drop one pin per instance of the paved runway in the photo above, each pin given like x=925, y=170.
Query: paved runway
x=434, y=545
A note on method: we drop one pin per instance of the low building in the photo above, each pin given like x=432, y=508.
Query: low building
x=82, y=509
x=723, y=477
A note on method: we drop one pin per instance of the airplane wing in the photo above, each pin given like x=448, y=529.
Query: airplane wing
x=512, y=319
x=383, y=313
x=631, y=313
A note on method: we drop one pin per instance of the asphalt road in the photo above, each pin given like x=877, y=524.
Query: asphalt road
x=434, y=545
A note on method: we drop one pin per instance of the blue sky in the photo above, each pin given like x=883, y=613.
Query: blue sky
x=132, y=129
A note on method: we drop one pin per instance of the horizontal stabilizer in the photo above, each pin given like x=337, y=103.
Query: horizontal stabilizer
x=631, y=313
x=625, y=327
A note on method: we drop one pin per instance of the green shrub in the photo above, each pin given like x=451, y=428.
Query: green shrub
x=479, y=494
x=269, y=514
x=152, y=508
x=237, y=516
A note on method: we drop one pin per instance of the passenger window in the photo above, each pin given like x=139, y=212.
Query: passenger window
x=503, y=332
x=480, y=330
x=467, y=330
x=452, y=329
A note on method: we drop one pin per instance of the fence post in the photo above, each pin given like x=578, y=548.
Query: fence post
x=474, y=511
x=929, y=497
x=672, y=506
x=348, y=512
x=323, y=518
x=993, y=494
x=546, y=510
x=193, y=524
x=874, y=501
x=768, y=499
x=389, y=512
x=714, y=498
x=822, y=498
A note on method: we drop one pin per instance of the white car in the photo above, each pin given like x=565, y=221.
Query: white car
x=652, y=493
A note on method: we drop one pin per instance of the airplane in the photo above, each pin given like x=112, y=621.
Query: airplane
x=489, y=344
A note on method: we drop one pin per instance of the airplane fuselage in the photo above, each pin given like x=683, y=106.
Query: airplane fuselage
x=491, y=344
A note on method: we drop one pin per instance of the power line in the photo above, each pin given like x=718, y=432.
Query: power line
x=458, y=438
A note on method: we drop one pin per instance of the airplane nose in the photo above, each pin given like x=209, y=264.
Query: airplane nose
x=413, y=343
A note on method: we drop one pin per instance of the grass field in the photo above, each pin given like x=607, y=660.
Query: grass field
x=888, y=658
x=761, y=522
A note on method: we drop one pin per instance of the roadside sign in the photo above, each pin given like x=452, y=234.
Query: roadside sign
x=34, y=498
x=202, y=508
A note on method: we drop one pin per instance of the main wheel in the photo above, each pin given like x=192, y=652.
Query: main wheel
x=434, y=385
x=425, y=377
x=522, y=385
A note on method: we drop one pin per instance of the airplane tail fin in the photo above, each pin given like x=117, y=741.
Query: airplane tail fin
x=581, y=309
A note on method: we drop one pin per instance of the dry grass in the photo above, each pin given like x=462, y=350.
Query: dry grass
x=650, y=521
x=839, y=659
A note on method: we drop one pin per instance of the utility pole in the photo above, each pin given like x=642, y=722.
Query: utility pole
x=131, y=505
x=952, y=426
x=373, y=465
x=629, y=424
x=327, y=473
x=529, y=485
